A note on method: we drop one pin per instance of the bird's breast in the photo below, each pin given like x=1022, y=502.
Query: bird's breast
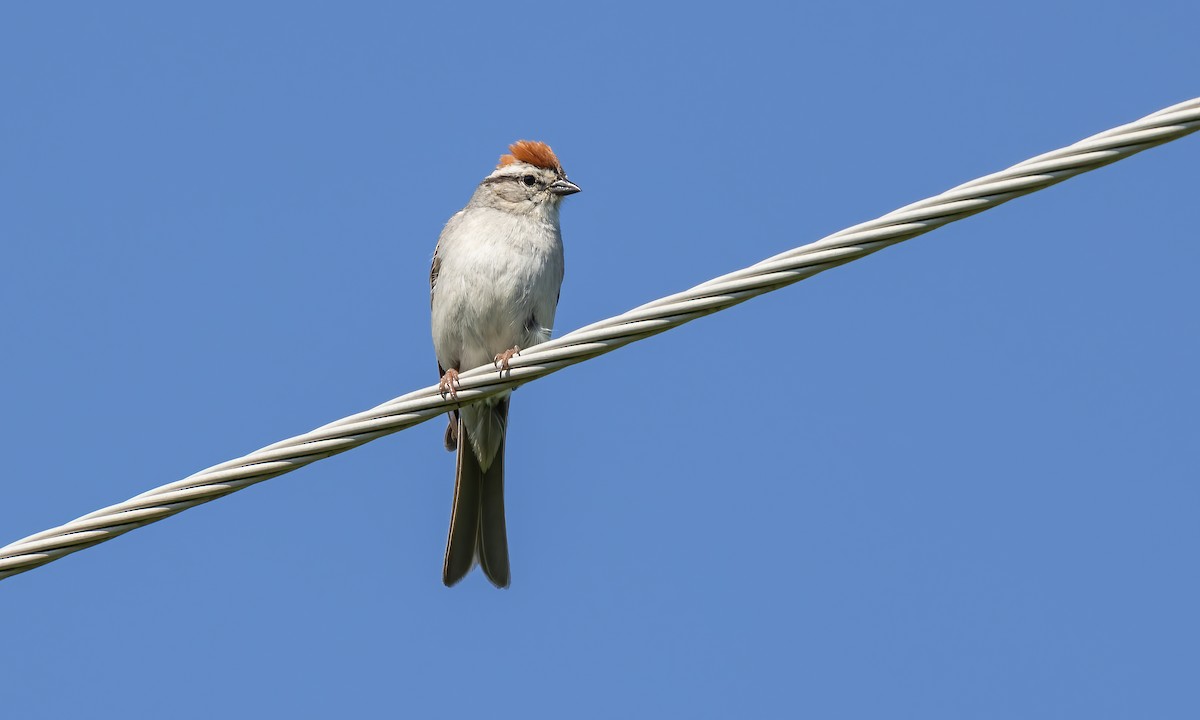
x=497, y=287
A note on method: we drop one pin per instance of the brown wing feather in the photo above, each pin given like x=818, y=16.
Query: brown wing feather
x=434, y=269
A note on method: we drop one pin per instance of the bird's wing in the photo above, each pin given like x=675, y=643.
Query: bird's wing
x=434, y=269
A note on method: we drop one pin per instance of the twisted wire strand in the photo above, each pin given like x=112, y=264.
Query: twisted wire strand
x=605, y=336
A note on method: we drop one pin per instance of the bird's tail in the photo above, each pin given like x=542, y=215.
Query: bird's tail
x=477, y=529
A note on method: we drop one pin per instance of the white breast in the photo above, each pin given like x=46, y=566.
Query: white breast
x=497, y=285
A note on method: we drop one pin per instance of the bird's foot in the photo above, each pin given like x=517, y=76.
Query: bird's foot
x=501, y=360
x=449, y=384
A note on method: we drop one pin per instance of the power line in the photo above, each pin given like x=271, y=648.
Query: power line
x=605, y=336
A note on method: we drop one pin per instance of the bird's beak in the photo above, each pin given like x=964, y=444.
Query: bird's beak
x=563, y=187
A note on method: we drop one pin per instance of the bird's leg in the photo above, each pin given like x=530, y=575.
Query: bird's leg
x=449, y=384
x=501, y=360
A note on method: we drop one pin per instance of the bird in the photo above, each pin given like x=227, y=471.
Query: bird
x=494, y=288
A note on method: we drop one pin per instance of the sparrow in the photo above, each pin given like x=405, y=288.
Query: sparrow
x=494, y=288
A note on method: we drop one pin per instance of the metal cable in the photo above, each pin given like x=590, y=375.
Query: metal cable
x=605, y=336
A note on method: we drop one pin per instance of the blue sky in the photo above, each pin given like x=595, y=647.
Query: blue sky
x=955, y=479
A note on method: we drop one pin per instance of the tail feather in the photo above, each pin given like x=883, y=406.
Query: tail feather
x=464, y=515
x=493, y=534
x=450, y=440
x=477, y=528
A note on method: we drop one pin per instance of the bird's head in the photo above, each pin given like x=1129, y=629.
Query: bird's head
x=527, y=180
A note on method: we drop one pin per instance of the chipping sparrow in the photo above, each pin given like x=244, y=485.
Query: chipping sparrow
x=493, y=288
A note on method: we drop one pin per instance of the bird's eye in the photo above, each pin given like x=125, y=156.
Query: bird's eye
x=529, y=180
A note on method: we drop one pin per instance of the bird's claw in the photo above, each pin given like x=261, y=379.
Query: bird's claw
x=501, y=360
x=449, y=384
